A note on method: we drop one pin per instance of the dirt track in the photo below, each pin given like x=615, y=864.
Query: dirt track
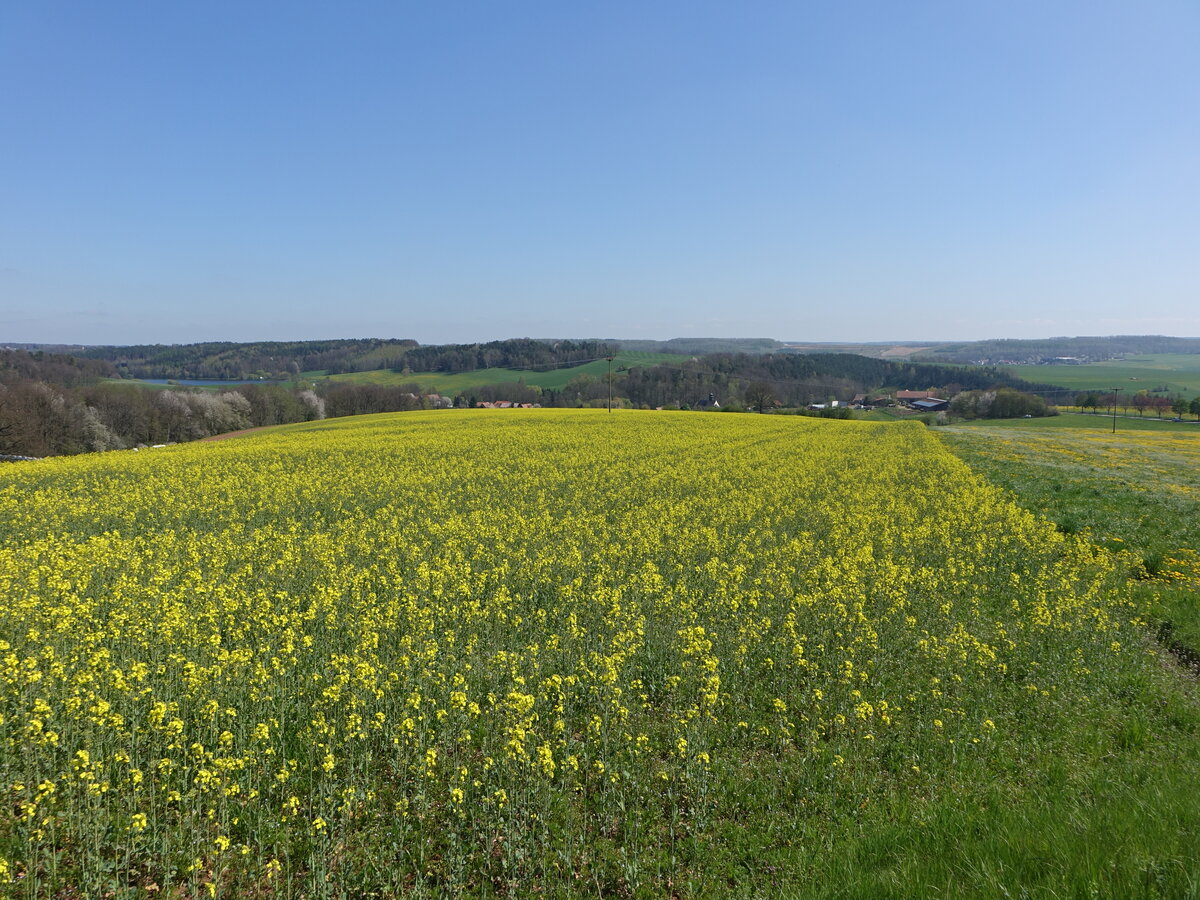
x=233, y=434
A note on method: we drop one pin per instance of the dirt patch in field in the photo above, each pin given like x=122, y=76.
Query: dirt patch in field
x=233, y=434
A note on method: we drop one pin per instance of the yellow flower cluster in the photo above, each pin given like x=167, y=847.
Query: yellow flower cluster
x=257, y=648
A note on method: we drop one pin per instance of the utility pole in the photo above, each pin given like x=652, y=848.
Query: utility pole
x=610, y=359
x=1115, y=398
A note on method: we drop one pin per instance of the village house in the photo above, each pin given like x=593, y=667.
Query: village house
x=910, y=396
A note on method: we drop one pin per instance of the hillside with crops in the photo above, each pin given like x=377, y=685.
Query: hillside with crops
x=575, y=653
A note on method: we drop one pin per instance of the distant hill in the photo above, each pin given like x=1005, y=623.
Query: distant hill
x=229, y=361
x=875, y=349
x=278, y=360
x=702, y=346
x=1000, y=351
x=281, y=360
x=673, y=371
x=1007, y=351
x=53, y=368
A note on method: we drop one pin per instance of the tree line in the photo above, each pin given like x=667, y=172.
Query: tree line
x=520, y=353
x=228, y=361
x=278, y=360
x=1141, y=401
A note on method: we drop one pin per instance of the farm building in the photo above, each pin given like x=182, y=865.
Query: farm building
x=931, y=404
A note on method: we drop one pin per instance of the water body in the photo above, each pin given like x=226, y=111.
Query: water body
x=202, y=382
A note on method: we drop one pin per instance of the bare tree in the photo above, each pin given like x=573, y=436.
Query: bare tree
x=9, y=437
x=760, y=395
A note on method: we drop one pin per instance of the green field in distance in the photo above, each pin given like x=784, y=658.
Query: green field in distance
x=1179, y=373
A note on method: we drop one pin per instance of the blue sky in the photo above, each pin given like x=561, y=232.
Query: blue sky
x=185, y=171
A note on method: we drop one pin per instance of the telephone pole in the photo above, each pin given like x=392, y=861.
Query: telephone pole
x=1115, y=399
x=610, y=359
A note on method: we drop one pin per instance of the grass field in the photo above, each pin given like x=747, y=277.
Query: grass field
x=568, y=653
x=1179, y=373
x=555, y=379
x=1091, y=423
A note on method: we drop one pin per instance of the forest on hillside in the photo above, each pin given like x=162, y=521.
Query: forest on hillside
x=520, y=353
x=283, y=360
x=278, y=361
x=227, y=361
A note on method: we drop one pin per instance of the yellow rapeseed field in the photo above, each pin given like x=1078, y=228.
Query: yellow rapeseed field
x=445, y=651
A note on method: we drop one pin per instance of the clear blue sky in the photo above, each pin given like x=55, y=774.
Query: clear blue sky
x=182, y=171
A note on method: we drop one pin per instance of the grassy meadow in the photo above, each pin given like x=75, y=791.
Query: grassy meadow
x=582, y=655
x=1088, y=422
